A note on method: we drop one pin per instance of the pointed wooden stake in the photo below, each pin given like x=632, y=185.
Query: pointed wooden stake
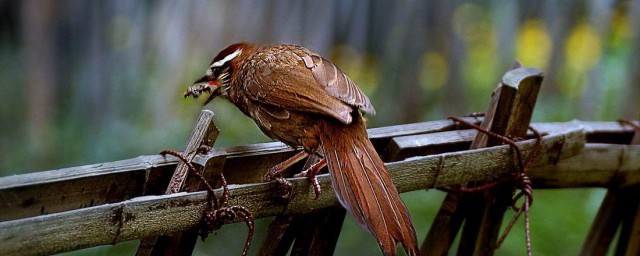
x=509, y=114
x=512, y=108
x=204, y=134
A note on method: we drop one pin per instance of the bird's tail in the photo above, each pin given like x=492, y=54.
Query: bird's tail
x=363, y=185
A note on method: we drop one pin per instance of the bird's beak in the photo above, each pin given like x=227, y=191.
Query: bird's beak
x=204, y=84
x=215, y=93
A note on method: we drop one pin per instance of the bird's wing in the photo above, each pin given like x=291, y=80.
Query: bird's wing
x=337, y=83
x=306, y=83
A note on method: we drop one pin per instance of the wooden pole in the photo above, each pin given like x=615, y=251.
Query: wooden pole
x=509, y=114
x=620, y=209
x=204, y=134
x=319, y=233
x=310, y=234
x=633, y=242
x=513, y=113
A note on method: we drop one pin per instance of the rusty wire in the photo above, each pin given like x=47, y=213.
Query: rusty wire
x=220, y=211
x=520, y=178
x=212, y=195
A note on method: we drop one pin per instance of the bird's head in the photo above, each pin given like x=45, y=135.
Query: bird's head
x=223, y=67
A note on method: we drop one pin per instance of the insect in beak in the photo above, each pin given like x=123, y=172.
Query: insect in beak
x=204, y=84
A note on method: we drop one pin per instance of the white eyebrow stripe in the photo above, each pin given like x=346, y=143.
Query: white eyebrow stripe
x=226, y=58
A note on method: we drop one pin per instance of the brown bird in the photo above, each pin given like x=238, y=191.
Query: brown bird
x=302, y=99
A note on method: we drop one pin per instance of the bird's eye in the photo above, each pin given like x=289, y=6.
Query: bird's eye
x=216, y=71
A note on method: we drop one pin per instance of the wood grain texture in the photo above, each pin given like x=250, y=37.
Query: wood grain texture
x=509, y=115
x=79, y=187
x=319, y=233
x=204, y=134
x=280, y=235
x=618, y=211
x=313, y=233
x=631, y=226
x=158, y=215
x=84, y=186
x=617, y=204
x=633, y=244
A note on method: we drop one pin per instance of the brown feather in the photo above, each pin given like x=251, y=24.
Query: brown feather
x=337, y=83
x=320, y=88
x=364, y=187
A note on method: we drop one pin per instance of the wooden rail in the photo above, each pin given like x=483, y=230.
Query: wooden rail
x=566, y=162
x=79, y=187
x=72, y=188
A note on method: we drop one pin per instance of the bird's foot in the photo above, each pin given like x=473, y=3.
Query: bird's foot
x=276, y=174
x=311, y=174
x=314, y=182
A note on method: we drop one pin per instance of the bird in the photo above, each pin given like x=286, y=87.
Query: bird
x=303, y=100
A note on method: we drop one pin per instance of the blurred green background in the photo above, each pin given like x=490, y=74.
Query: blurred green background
x=95, y=81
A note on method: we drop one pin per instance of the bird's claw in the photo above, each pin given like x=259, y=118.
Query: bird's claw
x=274, y=174
x=314, y=181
